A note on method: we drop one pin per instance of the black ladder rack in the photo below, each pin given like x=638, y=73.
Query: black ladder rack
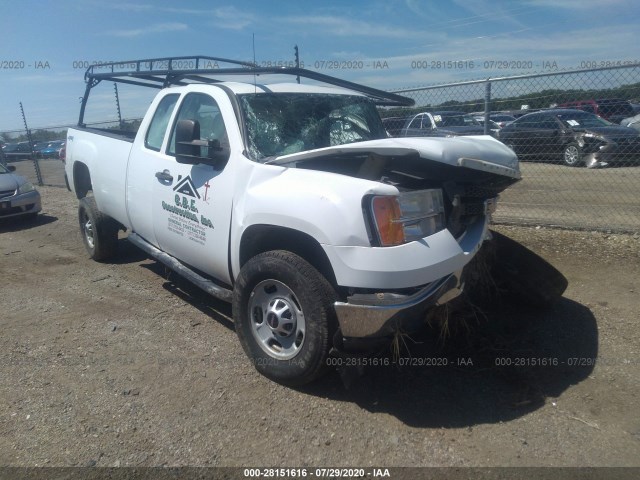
x=164, y=72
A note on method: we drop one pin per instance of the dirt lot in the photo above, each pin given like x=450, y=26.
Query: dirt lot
x=114, y=365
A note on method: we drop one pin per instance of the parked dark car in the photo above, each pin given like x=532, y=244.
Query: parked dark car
x=17, y=151
x=441, y=124
x=573, y=137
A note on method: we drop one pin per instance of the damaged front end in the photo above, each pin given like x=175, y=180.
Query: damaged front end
x=423, y=236
x=601, y=151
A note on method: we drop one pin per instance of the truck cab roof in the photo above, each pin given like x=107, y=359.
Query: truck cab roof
x=243, y=88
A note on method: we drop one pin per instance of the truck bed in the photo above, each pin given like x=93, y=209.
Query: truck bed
x=106, y=155
x=126, y=135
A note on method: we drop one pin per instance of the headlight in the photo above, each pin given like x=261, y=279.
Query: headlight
x=408, y=217
x=25, y=188
x=591, y=138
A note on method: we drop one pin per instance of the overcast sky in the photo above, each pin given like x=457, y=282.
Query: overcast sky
x=388, y=44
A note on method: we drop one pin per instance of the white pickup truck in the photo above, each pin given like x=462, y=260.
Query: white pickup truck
x=289, y=201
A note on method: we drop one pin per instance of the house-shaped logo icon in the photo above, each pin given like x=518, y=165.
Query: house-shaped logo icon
x=186, y=187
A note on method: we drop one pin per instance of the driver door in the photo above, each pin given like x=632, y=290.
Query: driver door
x=192, y=203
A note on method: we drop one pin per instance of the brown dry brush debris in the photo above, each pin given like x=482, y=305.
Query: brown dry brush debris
x=502, y=270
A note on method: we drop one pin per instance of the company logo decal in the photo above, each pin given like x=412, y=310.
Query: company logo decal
x=183, y=216
x=186, y=187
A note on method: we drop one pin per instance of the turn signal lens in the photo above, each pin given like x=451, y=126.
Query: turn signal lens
x=386, y=211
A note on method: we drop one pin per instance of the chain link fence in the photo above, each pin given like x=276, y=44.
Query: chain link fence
x=579, y=169
x=42, y=162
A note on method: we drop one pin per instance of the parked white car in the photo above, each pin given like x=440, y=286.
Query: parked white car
x=18, y=197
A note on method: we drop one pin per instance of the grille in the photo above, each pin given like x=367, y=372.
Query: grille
x=6, y=193
x=471, y=203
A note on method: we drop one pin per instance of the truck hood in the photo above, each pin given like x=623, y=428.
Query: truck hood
x=482, y=153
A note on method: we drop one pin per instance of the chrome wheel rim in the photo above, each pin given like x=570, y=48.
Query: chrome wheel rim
x=571, y=155
x=87, y=228
x=277, y=320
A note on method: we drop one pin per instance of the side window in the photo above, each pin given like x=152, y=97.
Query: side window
x=204, y=110
x=159, y=122
x=548, y=123
x=528, y=122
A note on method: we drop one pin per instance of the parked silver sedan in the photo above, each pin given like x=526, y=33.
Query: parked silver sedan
x=18, y=197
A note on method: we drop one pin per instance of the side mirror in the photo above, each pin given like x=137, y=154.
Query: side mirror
x=189, y=146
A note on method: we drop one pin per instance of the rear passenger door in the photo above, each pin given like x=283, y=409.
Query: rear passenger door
x=548, y=136
x=145, y=160
x=528, y=138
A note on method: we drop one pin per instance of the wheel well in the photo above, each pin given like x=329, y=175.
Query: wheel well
x=262, y=238
x=81, y=179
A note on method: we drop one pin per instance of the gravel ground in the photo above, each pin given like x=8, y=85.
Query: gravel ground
x=117, y=364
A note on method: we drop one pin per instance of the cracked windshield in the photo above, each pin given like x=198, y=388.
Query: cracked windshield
x=285, y=123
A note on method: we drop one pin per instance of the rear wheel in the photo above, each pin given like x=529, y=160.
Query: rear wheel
x=284, y=316
x=99, y=231
x=572, y=155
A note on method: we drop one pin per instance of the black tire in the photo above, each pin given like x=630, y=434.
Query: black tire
x=572, y=155
x=280, y=281
x=99, y=231
x=524, y=274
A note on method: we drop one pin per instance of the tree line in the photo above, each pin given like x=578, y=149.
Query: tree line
x=535, y=100
x=45, y=135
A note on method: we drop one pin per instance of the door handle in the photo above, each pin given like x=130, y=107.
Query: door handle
x=164, y=176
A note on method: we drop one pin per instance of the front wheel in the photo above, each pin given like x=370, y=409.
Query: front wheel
x=284, y=316
x=572, y=155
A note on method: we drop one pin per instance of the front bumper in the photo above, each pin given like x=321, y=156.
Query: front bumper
x=409, y=265
x=380, y=314
x=17, y=205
